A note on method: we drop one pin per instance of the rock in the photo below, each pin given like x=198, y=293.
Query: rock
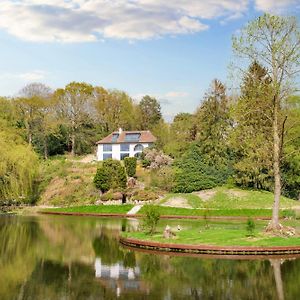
x=168, y=233
x=131, y=182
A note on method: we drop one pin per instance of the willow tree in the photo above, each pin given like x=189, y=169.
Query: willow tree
x=274, y=42
x=18, y=167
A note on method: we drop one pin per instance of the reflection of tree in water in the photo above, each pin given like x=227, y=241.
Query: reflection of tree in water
x=107, y=248
x=208, y=278
x=51, y=280
x=18, y=242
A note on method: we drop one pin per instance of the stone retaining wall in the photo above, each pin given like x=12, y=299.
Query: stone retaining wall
x=209, y=249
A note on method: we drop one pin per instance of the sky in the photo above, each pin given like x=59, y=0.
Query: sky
x=169, y=49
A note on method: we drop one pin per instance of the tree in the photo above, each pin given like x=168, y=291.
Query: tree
x=250, y=139
x=115, y=109
x=74, y=107
x=291, y=150
x=18, y=167
x=213, y=125
x=150, y=112
x=111, y=175
x=183, y=131
x=36, y=112
x=274, y=42
x=194, y=173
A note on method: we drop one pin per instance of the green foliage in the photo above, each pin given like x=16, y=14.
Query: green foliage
x=250, y=227
x=145, y=195
x=163, y=178
x=18, y=169
x=150, y=111
x=250, y=139
x=102, y=179
x=193, y=173
x=111, y=175
x=130, y=166
x=151, y=218
x=214, y=124
x=182, y=132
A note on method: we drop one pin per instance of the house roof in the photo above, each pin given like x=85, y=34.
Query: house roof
x=144, y=137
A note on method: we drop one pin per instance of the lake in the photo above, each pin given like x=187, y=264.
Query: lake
x=67, y=257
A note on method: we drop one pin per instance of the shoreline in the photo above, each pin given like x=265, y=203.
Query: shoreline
x=210, y=249
x=118, y=215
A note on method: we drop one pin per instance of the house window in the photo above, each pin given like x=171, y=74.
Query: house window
x=139, y=147
x=123, y=155
x=125, y=147
x=107, y=156
x=132, y=137
x=107, y=148
x=138, y=154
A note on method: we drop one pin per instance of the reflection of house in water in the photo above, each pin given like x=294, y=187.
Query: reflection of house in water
x=119, y=278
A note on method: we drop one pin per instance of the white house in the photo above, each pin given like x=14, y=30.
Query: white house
x=121, y=144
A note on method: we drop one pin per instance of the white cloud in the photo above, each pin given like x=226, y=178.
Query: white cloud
x=93, y=20
x=26, y=77
x=32, y=76
x=276, y=6
x=84, y=21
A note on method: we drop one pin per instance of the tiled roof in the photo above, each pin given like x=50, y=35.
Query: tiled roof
x=145, y=137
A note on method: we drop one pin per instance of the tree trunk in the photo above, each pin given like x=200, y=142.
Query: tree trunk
x=73, y=143
x=275, y=225
x=276, y=264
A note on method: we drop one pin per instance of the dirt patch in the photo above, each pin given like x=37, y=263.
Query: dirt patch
x=205, y=195
x=53, y=189
x=177, y=202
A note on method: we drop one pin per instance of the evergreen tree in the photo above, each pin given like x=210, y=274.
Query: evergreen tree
x=251, y=138
x=213, y=125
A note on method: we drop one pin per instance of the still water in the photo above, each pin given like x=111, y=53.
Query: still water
x=54, y=257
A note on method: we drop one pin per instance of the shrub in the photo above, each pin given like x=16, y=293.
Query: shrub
x=151, y=218
x=250, y=227
x=111, y=175
x=130, y=166
x=145, y=195
x=101, y=179
x=193, y=173
x=155, y=159
x=163, y=178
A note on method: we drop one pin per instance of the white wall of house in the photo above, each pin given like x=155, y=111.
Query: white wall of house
x=116, y=150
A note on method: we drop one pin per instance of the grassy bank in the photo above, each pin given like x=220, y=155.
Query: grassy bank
x=117, y=209
x=221, y=234
x=230, y=198
x=165, y=210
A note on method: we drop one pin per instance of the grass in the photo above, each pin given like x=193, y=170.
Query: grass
x=221, y=234
x=166, y=210
x=118, y=209
x=233, y=198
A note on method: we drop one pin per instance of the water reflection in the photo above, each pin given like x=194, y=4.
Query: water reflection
x=51, y=257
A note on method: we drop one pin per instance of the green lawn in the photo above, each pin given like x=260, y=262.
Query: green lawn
x=166, y=210
x=118, y=209
x=232, y=198
x=220, y=233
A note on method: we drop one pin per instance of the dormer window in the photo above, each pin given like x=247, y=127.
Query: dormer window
x=115, y=137
x=132, y=137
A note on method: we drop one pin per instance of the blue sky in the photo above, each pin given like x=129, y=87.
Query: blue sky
x=169, y=49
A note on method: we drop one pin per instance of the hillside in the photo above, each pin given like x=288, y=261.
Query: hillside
x=69, y=182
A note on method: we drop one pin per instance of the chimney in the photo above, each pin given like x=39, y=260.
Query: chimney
x=120, y=130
